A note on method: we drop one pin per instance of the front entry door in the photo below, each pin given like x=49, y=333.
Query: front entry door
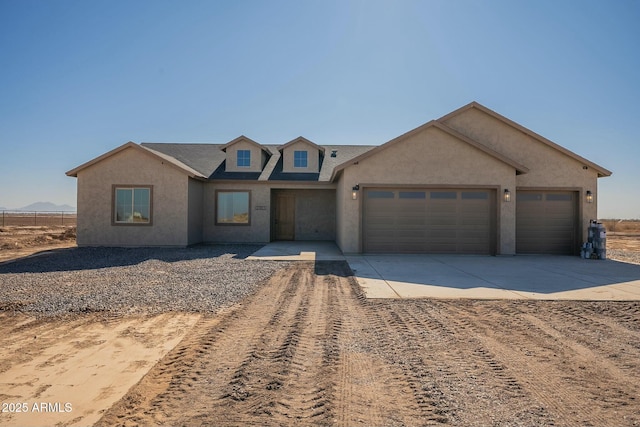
x=285, y=216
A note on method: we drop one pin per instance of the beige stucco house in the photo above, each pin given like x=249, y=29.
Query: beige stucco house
x=472, y=181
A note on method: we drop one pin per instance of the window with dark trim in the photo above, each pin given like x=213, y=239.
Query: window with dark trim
x=300, y=159
x=233, y=207
x=444, y=195
x=243, y=158
x=475, y=195
x=559, y=197
x=413, y=195
x=529, y=197
x=132, y=205
x=380, y=194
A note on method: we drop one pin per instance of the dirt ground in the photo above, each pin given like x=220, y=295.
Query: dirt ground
x=20, y=241
x=624, y=241
x=308, y=349
x=77, y=366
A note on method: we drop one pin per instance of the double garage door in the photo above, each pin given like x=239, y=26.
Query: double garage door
x=410, y=220
x=547, y=222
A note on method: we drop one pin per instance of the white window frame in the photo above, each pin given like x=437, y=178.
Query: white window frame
x=245, y=159
x=304, y=156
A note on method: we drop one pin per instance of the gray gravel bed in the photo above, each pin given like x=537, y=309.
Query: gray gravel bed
x=624, y=255
x=133, y=280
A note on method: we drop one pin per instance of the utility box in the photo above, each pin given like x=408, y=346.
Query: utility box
x=596, y=246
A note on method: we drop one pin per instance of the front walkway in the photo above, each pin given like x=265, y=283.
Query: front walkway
x=299, y=251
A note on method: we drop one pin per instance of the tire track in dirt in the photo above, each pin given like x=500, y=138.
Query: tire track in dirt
x=308, y=349
x=260, y=385
x=45, y=333
x=446, y=363
x=206, y=358
x=554, y=361
x=416, y=359
x=291, y=355
x=369, y=390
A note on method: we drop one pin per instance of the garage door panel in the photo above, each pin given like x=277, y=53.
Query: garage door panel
x=411, y=235
x=546, y=222
x=474, y=221
x=432, y=221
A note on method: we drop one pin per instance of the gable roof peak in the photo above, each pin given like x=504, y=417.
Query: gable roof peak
x=519, y=168
x=243, y=138
x=476, y=105
x=301, y=139
x=132, y=145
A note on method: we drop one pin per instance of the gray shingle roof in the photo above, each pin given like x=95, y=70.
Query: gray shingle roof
x=205, y=158
x=208, y=159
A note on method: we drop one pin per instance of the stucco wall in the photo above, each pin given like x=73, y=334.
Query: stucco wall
x=258, y=231
x=195, y=211
x=313, y=156
x=315, y=217
x=549, y=168
x=314, y=203
x=341, y=215
x=132, y=167
x=431, y=158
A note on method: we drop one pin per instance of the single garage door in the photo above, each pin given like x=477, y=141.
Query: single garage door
x=409, y=220
x=546, y=222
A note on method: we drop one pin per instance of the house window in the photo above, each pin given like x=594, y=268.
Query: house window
x=380, y=194
x=232, y=207
x=444, y=195
x=413, y=195
x=244, y=158
x=299, y=159
x=132, y=205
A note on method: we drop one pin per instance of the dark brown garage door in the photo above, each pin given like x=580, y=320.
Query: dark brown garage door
x=546, y=222
x=428, y=221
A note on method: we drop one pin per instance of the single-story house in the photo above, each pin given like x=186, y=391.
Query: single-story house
x=471, y=181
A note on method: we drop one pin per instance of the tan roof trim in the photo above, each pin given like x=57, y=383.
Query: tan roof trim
x=433, y=123
x=244, y=138
x=163, y=157
x=301, y=139
x=602, y=172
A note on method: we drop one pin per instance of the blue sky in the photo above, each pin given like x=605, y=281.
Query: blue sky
x=78, y=78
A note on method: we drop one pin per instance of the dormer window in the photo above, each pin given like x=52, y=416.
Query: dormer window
x=301, y=156
x=243, y=158
x=300, y=159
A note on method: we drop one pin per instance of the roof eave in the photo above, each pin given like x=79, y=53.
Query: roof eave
x=602, y=172
x=433, y=123
x=244, y=138
x=301, y=139
x=163, y=157
x=74, y=172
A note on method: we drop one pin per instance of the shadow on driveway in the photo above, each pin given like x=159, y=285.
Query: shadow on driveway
x=523, y=276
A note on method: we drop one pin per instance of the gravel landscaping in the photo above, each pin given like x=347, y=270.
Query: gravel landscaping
x=624, y=255
x=132, y=280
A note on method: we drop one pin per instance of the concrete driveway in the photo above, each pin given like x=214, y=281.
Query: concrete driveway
x=485, y=277
x=473, y=276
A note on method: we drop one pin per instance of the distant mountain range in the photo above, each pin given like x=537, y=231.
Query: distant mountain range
x=43, y=207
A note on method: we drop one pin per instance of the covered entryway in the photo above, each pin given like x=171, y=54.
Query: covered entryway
x=547, y=222
x=303, y=214
x=418, y=220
